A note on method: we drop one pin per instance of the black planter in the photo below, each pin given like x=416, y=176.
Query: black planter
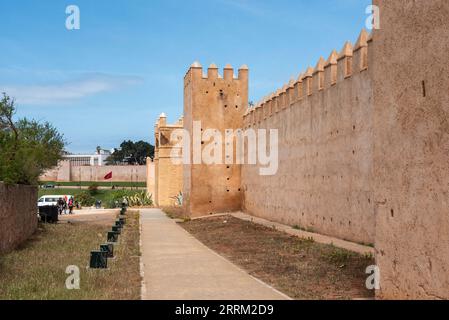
x=108, y=248
x=98, y=260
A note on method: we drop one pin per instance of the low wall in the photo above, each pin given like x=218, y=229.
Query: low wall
x=18, y=215
x=119, y=173
x=67, y=173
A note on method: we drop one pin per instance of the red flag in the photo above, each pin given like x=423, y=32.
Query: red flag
x=108, y=176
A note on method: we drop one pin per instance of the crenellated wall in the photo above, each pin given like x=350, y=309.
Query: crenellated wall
x=363, y=147
x=217, y=104
x=324, y=122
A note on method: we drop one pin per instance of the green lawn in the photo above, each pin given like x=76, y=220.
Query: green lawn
x=37, y=270
x=101, y=184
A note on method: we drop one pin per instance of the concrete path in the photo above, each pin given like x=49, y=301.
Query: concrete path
x=176, y=266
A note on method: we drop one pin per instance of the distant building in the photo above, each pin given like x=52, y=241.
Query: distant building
x=97, y=159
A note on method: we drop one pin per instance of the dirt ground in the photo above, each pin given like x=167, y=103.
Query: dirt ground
x=100, y=219
x=301, y=268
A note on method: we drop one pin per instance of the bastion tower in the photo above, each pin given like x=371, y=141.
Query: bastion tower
x=213, y=104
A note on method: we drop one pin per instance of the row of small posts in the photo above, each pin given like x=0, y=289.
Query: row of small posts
x=99, y=258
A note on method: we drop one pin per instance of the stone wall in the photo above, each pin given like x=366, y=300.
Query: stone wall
x=67, y=173
x=151, y=177
x=324, y=122
x=411, y=148
x=363, y=148
x=168, y=174
x=18, y=215
x=212, y=104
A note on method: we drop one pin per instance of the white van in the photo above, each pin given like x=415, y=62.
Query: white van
x=51, y=200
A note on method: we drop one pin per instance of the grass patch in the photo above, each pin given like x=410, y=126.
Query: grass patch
x=301, y=268
x=36, y=271
x=175, y=213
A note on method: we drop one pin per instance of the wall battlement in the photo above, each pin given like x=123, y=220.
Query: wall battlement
x=327, y=73
x=195, y=72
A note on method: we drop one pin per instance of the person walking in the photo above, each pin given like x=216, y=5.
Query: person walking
x=60, y=205
x=71, y=205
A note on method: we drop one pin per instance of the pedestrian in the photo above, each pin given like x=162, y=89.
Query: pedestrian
x=71, y=205
x=125, y=202
x=60, y=205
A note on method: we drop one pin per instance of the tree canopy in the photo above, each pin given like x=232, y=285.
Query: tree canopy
x=27, y=147
x=133, y=153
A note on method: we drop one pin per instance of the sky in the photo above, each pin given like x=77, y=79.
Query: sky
x=111, y=79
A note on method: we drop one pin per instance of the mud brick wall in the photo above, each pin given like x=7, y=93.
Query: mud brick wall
x=18, y=215
x=324, y=122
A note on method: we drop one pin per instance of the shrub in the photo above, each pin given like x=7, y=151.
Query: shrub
x=85, y=199
x=140, y=199
x=134, y=198
x=93, y=189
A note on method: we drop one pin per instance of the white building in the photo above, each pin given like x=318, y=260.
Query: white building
x=97, y=159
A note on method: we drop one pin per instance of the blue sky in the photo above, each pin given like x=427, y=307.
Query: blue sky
x=111, y=79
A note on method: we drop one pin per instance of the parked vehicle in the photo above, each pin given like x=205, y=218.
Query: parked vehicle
x=52, y=200
x=48, y=186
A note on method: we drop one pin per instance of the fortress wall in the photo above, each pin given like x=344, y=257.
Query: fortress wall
x=324, y=120
x=219, y=102
x=411, y=148
x=168, y=174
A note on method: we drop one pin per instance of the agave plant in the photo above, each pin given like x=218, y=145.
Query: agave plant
x=139, y=199
x=178, y=199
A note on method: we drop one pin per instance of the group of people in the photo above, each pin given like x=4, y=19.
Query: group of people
x=64, y=204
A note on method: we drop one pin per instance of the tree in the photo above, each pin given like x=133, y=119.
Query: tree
x=27, y=147
x=132, y=153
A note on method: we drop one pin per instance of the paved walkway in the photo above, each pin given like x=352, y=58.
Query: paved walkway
x=176, y=266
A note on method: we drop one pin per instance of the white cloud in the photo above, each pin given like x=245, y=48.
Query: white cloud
x=86, y=85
